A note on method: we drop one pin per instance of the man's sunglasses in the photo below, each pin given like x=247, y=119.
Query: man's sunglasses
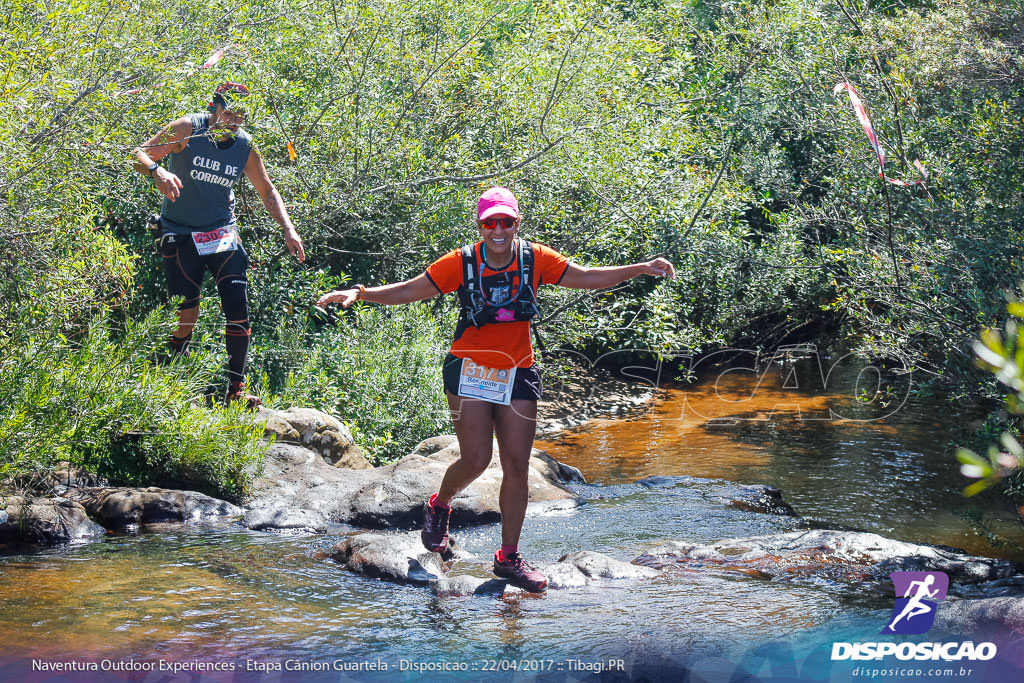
x=506, y=223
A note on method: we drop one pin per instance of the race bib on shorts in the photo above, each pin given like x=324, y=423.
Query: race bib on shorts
x=486, y=384
x=215, y=241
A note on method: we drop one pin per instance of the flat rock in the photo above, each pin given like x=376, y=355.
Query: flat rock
x=321, y=433
x=463, y=585
x=584, y=567
x=400, y=558
x=599, y=566
x=285, y=519
x=393, y=496
x=120, y=507
x=45, y=521
x=836, y=555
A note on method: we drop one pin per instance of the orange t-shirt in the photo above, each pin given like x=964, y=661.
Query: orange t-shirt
x=499, y=345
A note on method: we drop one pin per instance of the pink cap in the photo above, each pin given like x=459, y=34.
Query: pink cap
x=497, y=201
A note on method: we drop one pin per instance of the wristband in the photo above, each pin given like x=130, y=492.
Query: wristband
x=362, y=292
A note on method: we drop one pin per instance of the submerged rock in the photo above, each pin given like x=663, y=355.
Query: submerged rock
x=401, y=558
x=120, y=507
x=574, y=570
x=1005, y=614
x=837, y=555
x=317, y=431
x=45, y=521
x=761, y=498
x=296, y=478
x=750, y=497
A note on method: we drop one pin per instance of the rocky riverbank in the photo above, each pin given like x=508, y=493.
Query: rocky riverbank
x=314, y=477
x=315, y=480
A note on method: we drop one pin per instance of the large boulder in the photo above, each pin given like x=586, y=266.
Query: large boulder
x=396, y=499
x=63, y=476
x=120, y=507
x=847, y=556
x=321, y=433
x=45, y=521
x=295, y=478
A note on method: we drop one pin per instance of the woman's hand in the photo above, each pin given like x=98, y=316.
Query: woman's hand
x=659, y=267
x=346, y=297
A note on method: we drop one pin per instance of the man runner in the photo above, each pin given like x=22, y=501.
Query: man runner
x=208, y=153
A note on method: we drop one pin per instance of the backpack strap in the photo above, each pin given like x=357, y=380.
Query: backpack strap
x=469, y=267
x=526, y=261
x=527, y=256
x=470, y=276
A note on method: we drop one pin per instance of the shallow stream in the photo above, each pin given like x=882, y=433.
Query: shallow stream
x=264, y=603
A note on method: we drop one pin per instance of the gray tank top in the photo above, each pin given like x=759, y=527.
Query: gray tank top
x=208, y=175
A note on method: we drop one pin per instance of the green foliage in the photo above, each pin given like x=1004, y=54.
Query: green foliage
x=100, y=402
x=1003, y=356
x=380, y=371
x=699, y=129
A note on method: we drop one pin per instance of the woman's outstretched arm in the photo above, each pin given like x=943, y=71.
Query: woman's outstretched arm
x=416, y=289
x=582, y=277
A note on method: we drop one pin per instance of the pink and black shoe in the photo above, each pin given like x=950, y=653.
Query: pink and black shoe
x=435, y=526
x=236, y=392
x=519, y=572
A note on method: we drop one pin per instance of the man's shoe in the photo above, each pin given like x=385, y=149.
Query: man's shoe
x=236, y=392
x=519, y=572
x=435, y=528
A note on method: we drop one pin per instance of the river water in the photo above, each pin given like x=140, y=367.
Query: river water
x=272, y=607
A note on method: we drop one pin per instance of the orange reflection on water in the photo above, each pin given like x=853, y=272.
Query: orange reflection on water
x=692, y=431
x=192, y=601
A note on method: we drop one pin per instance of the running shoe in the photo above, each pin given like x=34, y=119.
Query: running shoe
x=519, y=572
x=236, y=392
x=435, y=528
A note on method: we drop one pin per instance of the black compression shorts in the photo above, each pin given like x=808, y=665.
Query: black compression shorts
x=527, y=384
x=185, y=268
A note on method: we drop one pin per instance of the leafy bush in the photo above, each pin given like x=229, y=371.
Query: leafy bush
x=379, y=370
x=100, y=402
x=700, y=129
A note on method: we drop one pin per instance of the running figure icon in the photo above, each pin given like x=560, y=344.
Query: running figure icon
x=915, y=607
x=916, y=593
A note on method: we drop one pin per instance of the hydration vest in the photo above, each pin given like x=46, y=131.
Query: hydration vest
x=477, y=310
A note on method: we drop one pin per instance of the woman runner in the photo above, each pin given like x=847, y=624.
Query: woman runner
x=491, y=381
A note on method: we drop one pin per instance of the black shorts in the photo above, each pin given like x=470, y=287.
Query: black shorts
x=184, y=268
x=526, y=387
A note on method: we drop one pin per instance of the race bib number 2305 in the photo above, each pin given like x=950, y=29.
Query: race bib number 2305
x=215, y=241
